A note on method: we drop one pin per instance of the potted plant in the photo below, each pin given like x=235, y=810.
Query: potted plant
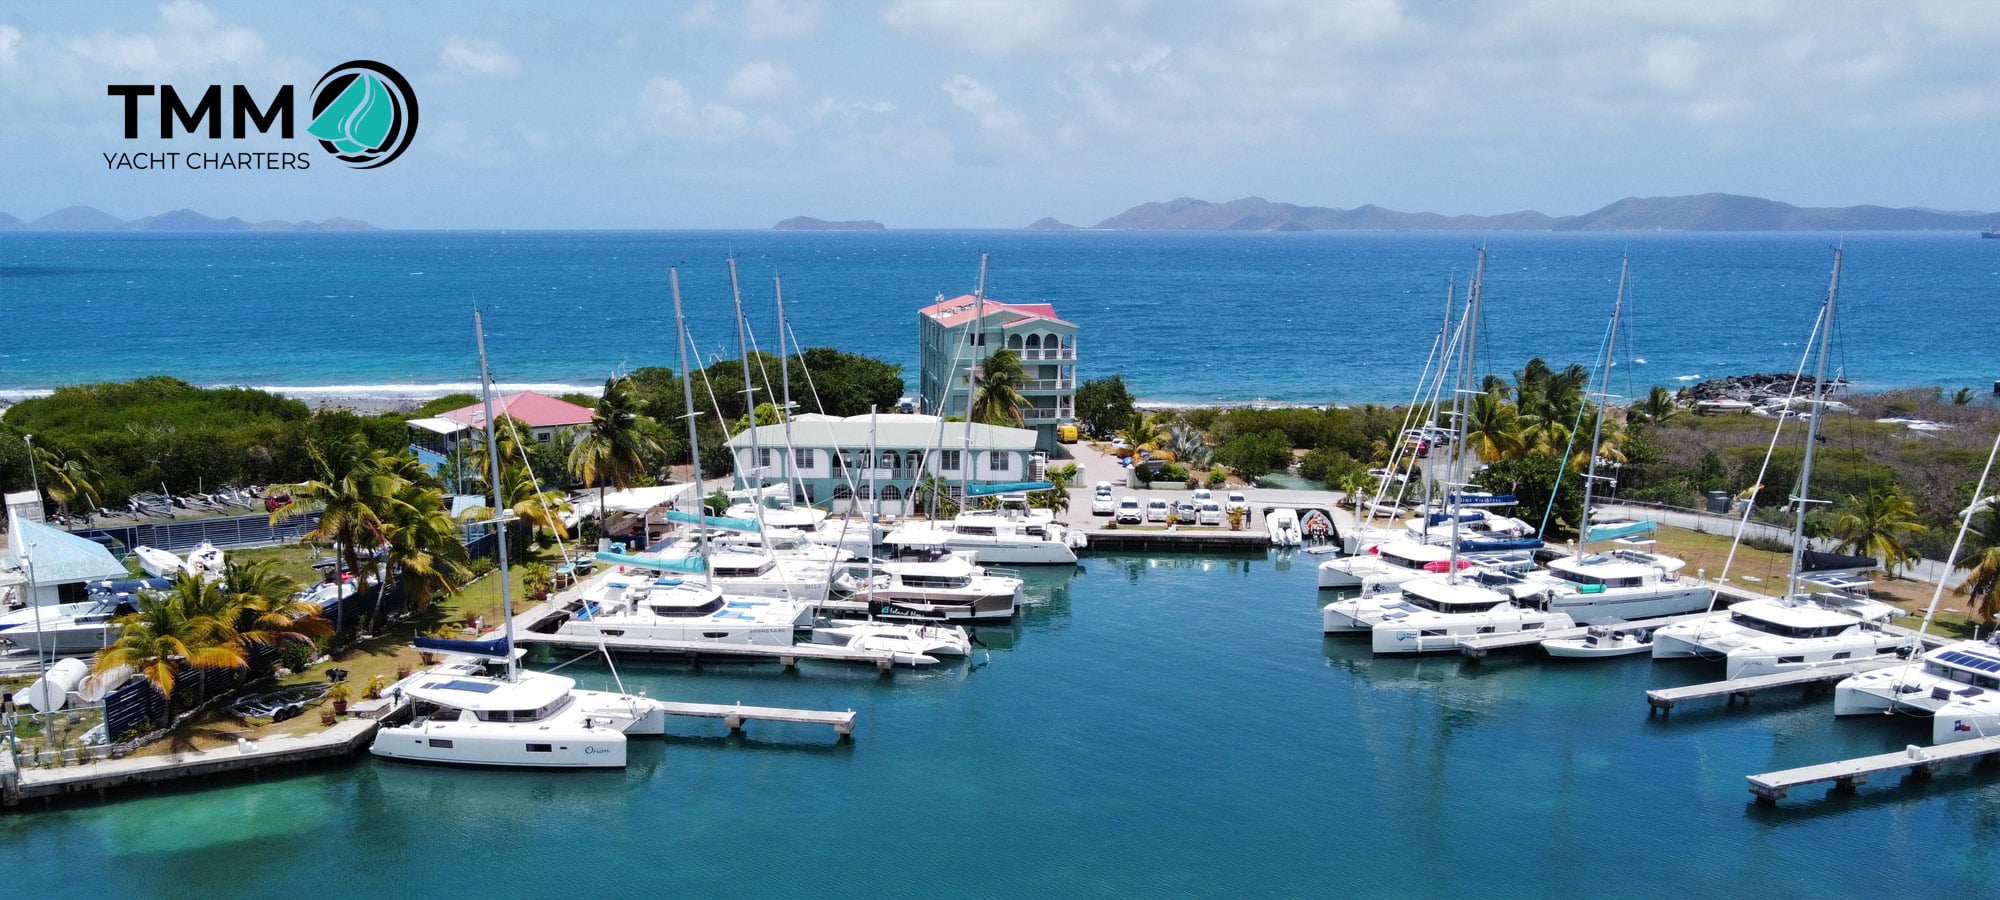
x=537, y=580
x=375, y=686
x=1235, y=518
x=339, y=694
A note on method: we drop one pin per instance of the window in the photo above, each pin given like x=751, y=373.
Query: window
x=998, y=461
x=441, y=743
x=541, y=437
x=541, y=748
x=915, y=460
x=764, y=457
x=948, y=460
x=802, y=458
x=843, y=492
x=891, y=492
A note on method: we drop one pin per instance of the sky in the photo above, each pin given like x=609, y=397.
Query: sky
x=995, y=113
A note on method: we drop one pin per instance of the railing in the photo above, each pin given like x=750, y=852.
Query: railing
x=1058, y=353
x=1036, y=414
x=1050, y=384
x=226, y=532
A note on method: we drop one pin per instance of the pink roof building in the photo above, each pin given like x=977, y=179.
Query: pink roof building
x=955, y=334
x=534, y=410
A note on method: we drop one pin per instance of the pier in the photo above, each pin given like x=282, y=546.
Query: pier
x=1663, y=699
x=1848, y=774
x=735, y=715
x=1192, y=538
x=47, y=784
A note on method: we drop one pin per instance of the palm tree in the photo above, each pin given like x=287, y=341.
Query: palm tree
x=1493, y=429
x=1358, y=487
x=1056, y=498
x=614, y=445
x=1981, y=559
x=355, y=486
x=1145, y=431
x=68, y=476
x=1658, y=406
x=172, y=630
x=996, y=399
x=1878, y=524
x=267, y=609
x=425, y=547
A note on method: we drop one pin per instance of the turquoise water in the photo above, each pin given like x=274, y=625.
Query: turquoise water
x=1304, y=318
x=1174, y=727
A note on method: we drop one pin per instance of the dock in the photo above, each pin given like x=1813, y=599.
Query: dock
x=1478, y=645
x=734, y=715
x=1848, y=774
x=1663, y=699
x=1192, y=538
x=49, y=783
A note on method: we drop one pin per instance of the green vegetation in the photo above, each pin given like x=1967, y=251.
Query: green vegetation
x=1103, y=405
x=996, y=399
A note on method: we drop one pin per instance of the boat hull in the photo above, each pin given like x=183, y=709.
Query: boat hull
x=1397, y=638
x=1614, y=606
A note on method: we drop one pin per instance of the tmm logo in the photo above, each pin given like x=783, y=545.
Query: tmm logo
x=363, y=112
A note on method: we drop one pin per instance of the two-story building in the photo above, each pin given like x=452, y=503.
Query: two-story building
x=951, y=342
x=435, y=437
x=829, y=462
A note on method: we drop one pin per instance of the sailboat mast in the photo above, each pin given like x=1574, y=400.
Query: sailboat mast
x=749, y=395
x=694, y=440
x=1469, y=326
x=977, y=335
x=1812, y=425
x=499, y=507
x=785, y=383
x=1603, y=397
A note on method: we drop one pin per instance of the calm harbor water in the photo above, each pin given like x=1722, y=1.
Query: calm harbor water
x=1151, y=727
x=1303, y=318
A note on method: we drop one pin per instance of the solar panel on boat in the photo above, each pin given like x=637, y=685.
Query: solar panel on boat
x=1970, y=661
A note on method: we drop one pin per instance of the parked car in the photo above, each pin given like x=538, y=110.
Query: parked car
x=1101, y=503
x=1236, y=501
x=1128, y=512
x=1157, y=510
x=1210, y=513
x=1203, y=495
x=1187, y=510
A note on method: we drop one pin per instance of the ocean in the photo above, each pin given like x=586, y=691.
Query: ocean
x=1296, y=318
x=1150, y=727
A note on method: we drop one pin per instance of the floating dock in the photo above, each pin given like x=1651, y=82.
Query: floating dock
x=734, y=715
x=1663, y=699
x=1190, y=538
x=1848, y=774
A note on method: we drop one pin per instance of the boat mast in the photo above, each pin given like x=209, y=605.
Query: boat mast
x=756, y=466
x=694, y=441
x=1816, y=406
x=499, y=506
x=1603, y=397
x=977, y=334
x=1470, y=327
x=785, y=382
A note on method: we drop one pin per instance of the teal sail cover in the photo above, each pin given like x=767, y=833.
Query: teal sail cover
x=729, y=523
x=1622, y=529
x=1007, y=487
x=692, y=564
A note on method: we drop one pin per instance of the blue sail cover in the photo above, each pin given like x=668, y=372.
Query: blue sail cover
x=1008, y=487
x=1442, y=518
x=1622, y=529
x=1482, y=545
x=726, y=523
x=1482, y=500
x=692, y=564
x=496, y=648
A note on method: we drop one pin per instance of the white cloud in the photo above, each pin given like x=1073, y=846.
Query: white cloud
x=10, y=38
x=761, y=82
x=782, y=20
x=464, y=57
x=666, y=108
x=992, y=28
x=700, y=15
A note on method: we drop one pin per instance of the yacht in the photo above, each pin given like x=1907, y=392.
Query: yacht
x=1621, y=585
x=1388, y=564
x=67, y=629
x=1012, y=534
x=1945, y=677
x=1282, y=524
x=1442, y=611
x=932, y=582
x=672, y=609
x=911, y=644
x=1784, y=634
x=476, y=711
x=740, y=574
x=783, y=543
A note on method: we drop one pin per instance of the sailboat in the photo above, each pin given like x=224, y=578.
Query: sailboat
x=1631, y=582
x=480, y=708
x=1800, y=630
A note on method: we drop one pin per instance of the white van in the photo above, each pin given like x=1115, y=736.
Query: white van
x=1210, y=513
x=1157, y=510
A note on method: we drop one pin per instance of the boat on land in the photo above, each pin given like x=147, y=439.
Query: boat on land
x=159, y=563
x=1282, y=524
x=67, y=629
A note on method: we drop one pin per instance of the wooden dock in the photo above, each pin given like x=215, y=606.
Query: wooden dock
x=734, y=715
x=339, y=742
x=1663, y=699
x=1848, y=774
x=1478, y=645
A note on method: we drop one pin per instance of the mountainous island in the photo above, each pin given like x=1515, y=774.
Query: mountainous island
x=84, y=218
x=1700, y=212
x=808, y=223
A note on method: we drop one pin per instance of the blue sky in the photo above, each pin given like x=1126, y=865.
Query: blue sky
x=963, y=113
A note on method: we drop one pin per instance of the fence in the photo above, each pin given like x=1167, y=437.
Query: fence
x=230, y=532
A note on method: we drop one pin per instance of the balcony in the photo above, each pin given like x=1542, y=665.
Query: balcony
x=1045, y=353
x=1035, y=414
x=1050, y=384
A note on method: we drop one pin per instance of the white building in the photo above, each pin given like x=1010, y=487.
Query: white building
x=829, y=461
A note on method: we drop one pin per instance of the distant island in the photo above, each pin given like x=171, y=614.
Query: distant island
x=1050, y=223
x=84, y=218
x=1700, y=212
x=808, y=223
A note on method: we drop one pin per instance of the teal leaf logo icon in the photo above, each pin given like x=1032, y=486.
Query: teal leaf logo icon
x=364, y=113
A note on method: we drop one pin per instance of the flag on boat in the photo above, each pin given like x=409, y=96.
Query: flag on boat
x=1007, y=487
